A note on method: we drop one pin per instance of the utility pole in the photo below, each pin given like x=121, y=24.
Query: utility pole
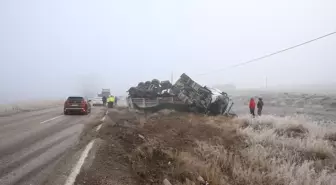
x=266, y=82
x=172, y=77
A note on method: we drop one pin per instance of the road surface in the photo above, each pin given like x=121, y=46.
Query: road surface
x=32, y=143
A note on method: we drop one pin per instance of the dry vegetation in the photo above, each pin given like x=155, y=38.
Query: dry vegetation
x=266, y=150
x=28, y=106
x=193, y=149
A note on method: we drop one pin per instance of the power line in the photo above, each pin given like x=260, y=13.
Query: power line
x=269, y=55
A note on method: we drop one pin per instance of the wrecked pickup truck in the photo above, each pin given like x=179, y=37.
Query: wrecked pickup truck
x=184, y=95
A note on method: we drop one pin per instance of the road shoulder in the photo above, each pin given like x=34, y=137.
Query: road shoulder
x=71, y=157
x=109, y=162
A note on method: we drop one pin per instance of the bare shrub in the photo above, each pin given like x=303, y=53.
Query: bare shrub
x=330, y=136
x=294, y=130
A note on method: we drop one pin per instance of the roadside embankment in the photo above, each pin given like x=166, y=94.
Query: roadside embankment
x=183, y=148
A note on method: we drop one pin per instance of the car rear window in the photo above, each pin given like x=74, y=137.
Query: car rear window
x=76, y=98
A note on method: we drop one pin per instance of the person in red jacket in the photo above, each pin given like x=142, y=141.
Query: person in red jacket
x=252, y=106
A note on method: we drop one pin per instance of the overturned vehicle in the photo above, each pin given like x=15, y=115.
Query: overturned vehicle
x=151, y=89
x=184, y=95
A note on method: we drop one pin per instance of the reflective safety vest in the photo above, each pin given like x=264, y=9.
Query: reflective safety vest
x=110, y=99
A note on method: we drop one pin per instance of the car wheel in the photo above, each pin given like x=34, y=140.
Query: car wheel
x=66, y=113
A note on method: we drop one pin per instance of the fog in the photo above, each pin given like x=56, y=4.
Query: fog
x=52, y=49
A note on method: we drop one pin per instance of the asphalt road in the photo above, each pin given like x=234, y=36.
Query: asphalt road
x=32, y=143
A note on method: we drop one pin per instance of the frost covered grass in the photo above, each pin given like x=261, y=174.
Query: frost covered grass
x=276, y=150
x=28, y=106
x=266, y=150
x=190, y=149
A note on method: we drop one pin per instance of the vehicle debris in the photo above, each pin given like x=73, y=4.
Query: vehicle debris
x=185, y=91
x=151, y=89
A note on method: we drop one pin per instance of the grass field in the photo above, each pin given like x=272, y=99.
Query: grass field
x=28, y=106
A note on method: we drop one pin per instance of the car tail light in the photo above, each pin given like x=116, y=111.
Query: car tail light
x=67, y=102
x=83, y=103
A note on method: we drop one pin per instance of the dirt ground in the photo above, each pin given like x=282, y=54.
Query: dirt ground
x=184, y=148
x=145, y=149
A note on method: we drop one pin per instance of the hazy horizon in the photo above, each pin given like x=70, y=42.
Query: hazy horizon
x=52, y=49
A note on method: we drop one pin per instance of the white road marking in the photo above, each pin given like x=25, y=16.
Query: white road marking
x=98, y=128
x=103, y=119
x=51, y=119
x=75, y=171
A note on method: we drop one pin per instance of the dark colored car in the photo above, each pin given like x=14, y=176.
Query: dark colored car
x=77, y=104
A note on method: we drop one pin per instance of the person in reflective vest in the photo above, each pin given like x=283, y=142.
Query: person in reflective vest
x=110, y=101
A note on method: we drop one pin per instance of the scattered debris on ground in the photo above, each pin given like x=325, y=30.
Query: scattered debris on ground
x=177, y=148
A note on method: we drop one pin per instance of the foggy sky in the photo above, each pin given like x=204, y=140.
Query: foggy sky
x=63, y=47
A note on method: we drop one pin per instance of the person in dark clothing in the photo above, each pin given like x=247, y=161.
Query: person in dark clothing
x=104, y=100
x=252, y=106
x=115, y=100
x=260, y=106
